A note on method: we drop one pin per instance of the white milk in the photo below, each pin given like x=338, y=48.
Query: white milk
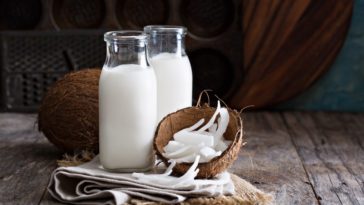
x=128, y=113
x=174, y=82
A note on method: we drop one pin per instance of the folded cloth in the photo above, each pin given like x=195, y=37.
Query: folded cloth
x=89, y=183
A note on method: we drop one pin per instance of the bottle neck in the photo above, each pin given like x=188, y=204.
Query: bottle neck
x=125, y=53
x=166, y=43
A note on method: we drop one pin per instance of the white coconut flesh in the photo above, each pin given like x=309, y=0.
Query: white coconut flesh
x=207, y=142
x=165, y=179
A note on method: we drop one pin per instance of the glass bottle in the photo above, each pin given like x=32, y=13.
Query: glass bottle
x=127, y=104
x=166, y=54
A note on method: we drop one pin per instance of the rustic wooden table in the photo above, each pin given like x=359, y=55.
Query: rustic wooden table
x=302, y=158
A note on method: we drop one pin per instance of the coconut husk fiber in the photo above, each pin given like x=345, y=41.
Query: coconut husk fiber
x=68, y=114
x=186, y=117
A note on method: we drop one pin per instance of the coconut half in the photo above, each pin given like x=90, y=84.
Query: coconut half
x=188, y=117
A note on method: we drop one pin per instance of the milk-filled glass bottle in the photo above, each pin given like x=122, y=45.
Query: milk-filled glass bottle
x=166, y=53
x=127, y=104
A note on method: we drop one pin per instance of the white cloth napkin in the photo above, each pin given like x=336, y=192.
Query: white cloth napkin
x=89, y=183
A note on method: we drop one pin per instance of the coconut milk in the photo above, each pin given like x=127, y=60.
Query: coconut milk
x=174, y=82
x=128, y=113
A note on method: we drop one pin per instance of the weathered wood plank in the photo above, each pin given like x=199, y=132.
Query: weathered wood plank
x=270, y=161
x=330, y=146
x=354, y=125
x=328, y=155
x=343, y=143
x=27, y=160
x=345, y=138
x=48, y=200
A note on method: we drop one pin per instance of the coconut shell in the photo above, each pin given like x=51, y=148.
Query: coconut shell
x=186, y=117
x=68, y=114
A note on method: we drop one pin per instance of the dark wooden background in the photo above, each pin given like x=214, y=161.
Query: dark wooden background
x=250, y=52
x=342, y=87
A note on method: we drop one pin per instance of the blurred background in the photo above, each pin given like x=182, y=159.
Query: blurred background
x=277, y=55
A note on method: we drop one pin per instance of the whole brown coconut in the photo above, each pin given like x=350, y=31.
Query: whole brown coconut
x=68, y=115
x=183, y=118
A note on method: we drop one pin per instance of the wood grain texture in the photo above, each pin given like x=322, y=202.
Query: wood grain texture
x=27, y=160
x=301, y=158
x=341, y=88
x=333, y=160
x=270, y=161
x=287, y=46
x=48, y=200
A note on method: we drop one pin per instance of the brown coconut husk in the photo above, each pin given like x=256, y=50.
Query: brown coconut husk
x=187, y=117
x=68, y=115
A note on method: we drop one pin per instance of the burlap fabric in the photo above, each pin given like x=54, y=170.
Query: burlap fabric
x=246, y=194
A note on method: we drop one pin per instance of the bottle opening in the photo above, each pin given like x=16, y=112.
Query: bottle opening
x=165, y=29
x=127, y=36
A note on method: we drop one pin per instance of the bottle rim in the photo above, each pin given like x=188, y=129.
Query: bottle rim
x=165, y=29
x=125, y=36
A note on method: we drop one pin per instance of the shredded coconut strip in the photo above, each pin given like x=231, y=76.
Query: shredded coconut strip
x=212, y=120
x=166, y=180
